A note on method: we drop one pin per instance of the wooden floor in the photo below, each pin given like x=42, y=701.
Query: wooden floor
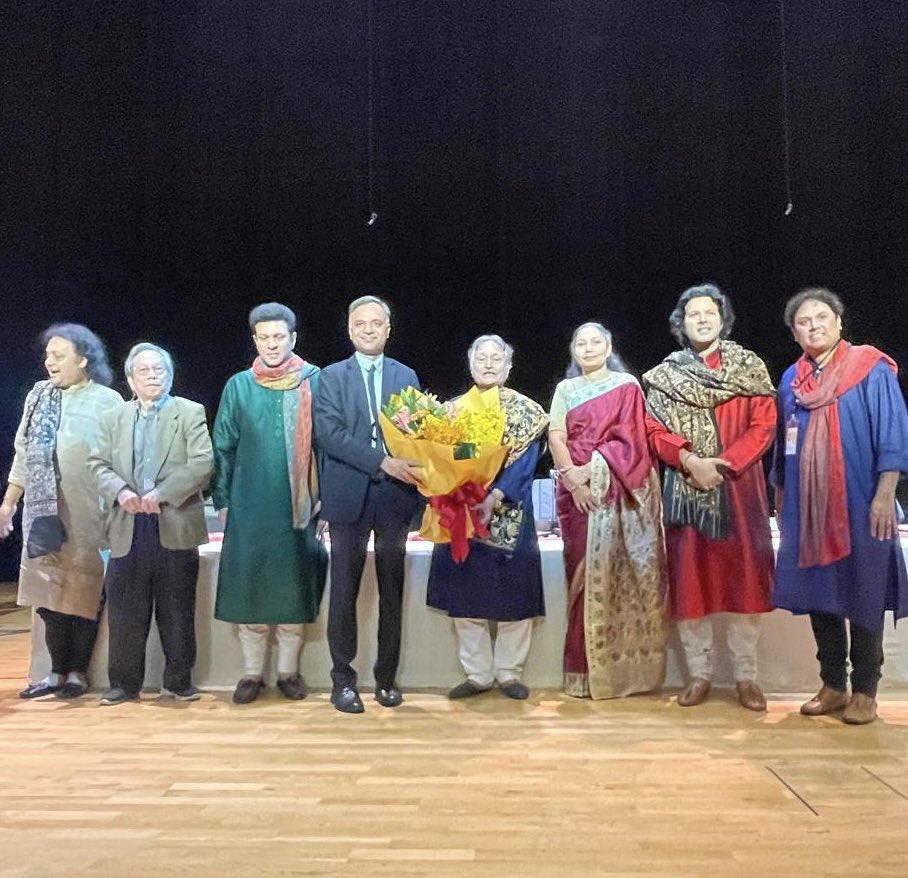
x=488, y=787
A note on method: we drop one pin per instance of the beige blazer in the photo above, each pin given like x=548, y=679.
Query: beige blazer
x=185, y=462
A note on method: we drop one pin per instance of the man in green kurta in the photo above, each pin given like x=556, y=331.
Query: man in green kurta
x=265, y=488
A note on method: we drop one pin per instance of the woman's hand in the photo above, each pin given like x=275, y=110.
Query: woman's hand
x=584, y=499
x=8, y=509
x=6, y=520
x=883, y=521
x=575, y=476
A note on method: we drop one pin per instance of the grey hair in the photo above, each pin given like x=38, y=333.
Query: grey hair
x=613, y=361
x=140, y=348
x=507, y=350
x=370, y=300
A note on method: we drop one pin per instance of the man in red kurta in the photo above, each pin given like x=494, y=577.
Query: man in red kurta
x=711, y=418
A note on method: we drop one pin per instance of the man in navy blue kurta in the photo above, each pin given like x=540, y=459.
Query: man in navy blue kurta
x=501, y=578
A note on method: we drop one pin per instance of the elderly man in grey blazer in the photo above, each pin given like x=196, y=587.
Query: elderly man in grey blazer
x=151, y=462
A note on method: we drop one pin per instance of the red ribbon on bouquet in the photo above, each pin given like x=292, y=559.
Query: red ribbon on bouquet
x=453, y=511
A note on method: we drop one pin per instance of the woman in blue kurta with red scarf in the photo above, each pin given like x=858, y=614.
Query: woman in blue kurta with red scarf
x=842, y=443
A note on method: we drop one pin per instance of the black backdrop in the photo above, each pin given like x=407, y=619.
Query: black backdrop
x=166, y=165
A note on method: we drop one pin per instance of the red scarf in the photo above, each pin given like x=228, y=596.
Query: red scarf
x=825, y=535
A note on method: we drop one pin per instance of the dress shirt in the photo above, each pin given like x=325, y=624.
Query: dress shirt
x=365, y=364
x=144, y=440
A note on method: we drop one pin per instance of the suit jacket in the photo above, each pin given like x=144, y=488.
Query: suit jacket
x=184, y=460
x=343, y=430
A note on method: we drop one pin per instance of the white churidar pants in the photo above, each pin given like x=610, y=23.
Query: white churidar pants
x=254, y=642
x=742, y=634
x=484, y=663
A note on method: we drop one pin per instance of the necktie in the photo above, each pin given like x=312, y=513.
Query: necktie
x=373, y=405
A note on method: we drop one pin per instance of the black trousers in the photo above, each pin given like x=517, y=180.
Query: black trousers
x=349, y=547
x=833, y=652
x=70, y=640
x=150, y=578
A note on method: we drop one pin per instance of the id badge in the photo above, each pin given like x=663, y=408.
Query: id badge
x=791, y=436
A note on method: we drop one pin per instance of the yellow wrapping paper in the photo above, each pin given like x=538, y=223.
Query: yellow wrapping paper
x=441, y=473
x=476, y=400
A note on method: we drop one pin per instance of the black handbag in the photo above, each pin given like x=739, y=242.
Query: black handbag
x=46, y=536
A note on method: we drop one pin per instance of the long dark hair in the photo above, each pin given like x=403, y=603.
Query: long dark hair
x=709, y=291
x=87, y=345
x=613, y=361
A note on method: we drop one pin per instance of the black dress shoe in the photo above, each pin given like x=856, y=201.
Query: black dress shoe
x=72, y=689
x=389, y=697
x=347, y=700
x=39, y=690
x=292, y=687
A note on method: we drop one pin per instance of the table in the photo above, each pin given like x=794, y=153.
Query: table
x=787, y=660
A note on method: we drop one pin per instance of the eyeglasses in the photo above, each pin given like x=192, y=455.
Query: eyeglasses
x=148, y=371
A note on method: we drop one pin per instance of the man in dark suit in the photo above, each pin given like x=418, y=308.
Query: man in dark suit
x=363, y=489
x=152, y=459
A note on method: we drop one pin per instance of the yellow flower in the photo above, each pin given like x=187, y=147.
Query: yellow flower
x=481, y=428
x=440, y=429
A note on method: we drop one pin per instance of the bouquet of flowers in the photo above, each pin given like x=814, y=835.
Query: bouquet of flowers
x=460, y=447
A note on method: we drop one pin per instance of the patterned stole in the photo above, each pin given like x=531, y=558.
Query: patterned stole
x=293, y=375
x=524, y=422
x=42, y=528
x=682, y=394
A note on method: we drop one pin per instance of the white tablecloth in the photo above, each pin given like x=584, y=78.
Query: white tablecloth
x=429, y=646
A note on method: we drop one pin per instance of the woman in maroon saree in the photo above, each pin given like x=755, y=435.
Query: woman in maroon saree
x=610, y=512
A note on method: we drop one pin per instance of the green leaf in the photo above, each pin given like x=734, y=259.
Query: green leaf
x=465, y=451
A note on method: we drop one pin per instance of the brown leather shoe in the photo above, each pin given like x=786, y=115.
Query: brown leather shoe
x=247, y=690
x=750, y=695
x=293, y=687
x=467, y=689
x=861, y=710
x=827, y=700
x=697, y=692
